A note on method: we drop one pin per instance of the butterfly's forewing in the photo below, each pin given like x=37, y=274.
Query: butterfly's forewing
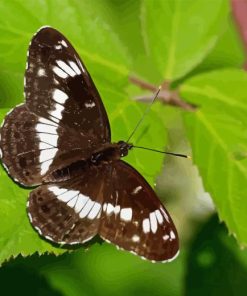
x=69, y=212
x=63, y=118
x=134, y=219
x=58, y=86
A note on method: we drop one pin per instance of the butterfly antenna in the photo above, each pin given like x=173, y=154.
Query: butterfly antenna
x=164, y=152
x=144, y=114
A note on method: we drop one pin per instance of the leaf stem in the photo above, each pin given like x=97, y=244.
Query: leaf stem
x=166, y=95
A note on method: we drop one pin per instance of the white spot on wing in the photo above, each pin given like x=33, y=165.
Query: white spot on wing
x=165, y=214
x=45, y=166
x=55, y=119
x=64, y=43
x=153, y=222
x=38, y=229
x=84, y=212
x=5, y=167
x=59, y=96
x=47, y=121
x=146, y=225
x=89, y=105
x=159, y=216
x=110, y=209
x=172, y=235
x=57, y=113
x=81, y=202
x=44, y=146
x=171, y=259
x=58, y=46
x=165, y=237
x=44, y=128
x=41, y=72
x=72, y=202
x=48, y=237
x=75, y=67
x=126, y=214
x=59, y=72
x=135, y=238
x=136, y=190
x=56, y=190
x=47, y=133
x=47, y=154
x=104, y=206
x=55, y=81
x=80, y=64
x=66, y=68
x=94, y=211
x=117, y=209
x=30, y=217
x=50, y=139
x=68, y=195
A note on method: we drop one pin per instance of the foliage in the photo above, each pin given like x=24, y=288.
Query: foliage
x=215, y=264
x=89, y=273
x=219, y=141
x=193, y=45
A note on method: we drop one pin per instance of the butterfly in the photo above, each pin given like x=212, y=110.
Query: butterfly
x=59, y=140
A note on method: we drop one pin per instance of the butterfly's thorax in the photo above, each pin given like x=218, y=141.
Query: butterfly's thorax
x=104, y=154
x=110, y=152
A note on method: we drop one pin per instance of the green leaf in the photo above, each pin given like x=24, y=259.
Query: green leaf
x=102, y=270
x=215, y=265
x=217, y=131
x=86, y=27
x=220, y=56
x=89, y=28
x=179, y=34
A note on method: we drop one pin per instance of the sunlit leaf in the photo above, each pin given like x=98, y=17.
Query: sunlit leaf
x=178, y=34
x=100, y=270
x=217, y=130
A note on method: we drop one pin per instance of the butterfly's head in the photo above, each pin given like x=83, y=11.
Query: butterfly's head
x=124, y=148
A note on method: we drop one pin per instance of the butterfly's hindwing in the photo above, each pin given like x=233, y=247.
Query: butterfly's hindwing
x=28, y=145
x=134, y=219
x=111, y=200
x=70, y=212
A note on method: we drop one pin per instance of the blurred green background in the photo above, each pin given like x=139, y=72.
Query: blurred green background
x=156, y=41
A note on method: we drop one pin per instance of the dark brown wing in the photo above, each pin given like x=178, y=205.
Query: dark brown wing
x=31, y=146
x=58, y=86
x=69, y=212
x=63, y=118
x=134, y=219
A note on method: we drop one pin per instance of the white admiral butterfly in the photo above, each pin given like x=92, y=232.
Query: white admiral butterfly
x=60, y=141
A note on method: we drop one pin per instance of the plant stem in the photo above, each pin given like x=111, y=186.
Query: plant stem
x=166, y=95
